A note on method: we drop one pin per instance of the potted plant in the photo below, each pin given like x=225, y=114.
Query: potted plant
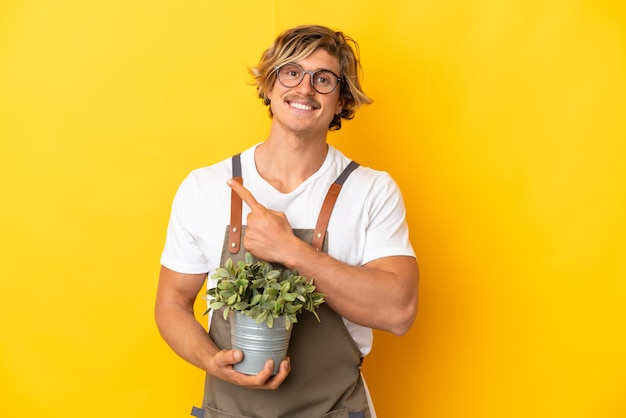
x=265, y=301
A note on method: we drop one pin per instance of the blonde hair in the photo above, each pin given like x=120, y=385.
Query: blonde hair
x=298, y=43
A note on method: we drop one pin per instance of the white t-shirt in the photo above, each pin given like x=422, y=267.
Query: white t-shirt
x=368, y=220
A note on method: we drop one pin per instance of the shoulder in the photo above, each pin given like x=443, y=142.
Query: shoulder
x=372, y=180
x=375, y=190
x=208, y=174
x=214, y=175
x=206, y=183
x=363, y=172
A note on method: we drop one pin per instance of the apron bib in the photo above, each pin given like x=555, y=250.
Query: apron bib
x=325, y=379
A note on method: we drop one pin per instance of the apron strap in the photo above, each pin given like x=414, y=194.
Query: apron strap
x=327, y=207
x=234, y=234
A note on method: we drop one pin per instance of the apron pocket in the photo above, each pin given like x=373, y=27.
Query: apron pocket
x=340, y=413
x=210, y=412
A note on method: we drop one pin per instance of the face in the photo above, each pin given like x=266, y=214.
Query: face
x=301, y=109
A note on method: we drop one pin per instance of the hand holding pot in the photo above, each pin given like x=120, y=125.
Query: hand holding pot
x=221, y=367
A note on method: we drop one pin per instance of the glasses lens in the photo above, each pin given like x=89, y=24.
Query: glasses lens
x=324, y=81
x=290, y=75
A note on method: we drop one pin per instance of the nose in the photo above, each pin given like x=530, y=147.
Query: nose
x=306, y=85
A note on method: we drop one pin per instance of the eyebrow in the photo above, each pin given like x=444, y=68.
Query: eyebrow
x=315, y=71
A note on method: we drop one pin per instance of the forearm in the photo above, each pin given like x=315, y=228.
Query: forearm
x=381, y=294
x=175, y=317
x=185, y=335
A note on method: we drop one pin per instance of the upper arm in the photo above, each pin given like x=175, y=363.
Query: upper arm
x=403, y=267
x=178, y=288
x=402, y=290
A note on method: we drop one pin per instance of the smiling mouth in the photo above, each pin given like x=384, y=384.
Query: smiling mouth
x=301, y=104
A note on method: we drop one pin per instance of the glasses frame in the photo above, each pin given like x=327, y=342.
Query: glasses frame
x=305, y=72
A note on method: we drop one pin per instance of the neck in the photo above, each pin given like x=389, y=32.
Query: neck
x=287, y=161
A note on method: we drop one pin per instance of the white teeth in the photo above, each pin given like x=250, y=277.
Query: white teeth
x=300, y=106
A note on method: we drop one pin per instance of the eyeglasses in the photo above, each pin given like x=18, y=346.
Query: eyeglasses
x=323, y=81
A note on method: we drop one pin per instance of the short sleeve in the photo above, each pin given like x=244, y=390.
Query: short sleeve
x=181, y=252
x=387, y=231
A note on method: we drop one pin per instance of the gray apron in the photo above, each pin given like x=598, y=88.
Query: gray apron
x=325, y=379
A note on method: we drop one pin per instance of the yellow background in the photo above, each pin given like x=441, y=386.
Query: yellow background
x=502, y=121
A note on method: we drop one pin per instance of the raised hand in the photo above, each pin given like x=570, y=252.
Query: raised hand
x=268, y=233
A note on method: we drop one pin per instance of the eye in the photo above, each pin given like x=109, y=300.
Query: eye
x=322, y=80
x=291, y=71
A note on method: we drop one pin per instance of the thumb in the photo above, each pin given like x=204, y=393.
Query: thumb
x=226, y=357
x=237, y=356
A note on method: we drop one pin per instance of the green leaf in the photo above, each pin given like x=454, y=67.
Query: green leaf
x=284, y=288
x=221, y=273
x=268, y=306
x=240, y=306
x=256, y=299
x=262, y=317
x=292, y=309
x=224, y=284
x=254, y=312
x=317, y=316
x=228, y=265
x=264, y=268
x=216, y=305
x=290, y=297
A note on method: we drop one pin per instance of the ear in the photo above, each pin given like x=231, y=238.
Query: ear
x=339, y=108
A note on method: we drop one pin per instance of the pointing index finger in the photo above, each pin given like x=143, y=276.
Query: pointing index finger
x=244, y=194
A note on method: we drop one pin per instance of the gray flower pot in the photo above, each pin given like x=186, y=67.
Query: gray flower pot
x=258, y=342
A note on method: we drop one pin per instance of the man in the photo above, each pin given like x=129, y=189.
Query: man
x=364, y=263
